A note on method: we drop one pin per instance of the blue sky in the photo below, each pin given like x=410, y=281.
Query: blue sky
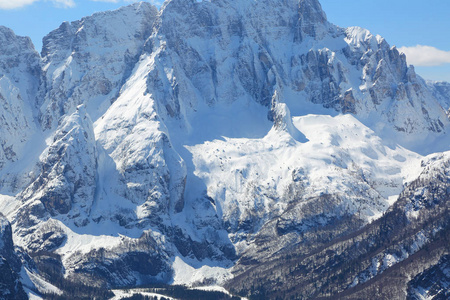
x=404, y=23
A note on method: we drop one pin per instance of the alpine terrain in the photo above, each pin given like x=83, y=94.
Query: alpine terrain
x=241, y=146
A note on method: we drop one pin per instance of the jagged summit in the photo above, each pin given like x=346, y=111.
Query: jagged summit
x=311, y=16
x=94, y=55
x=20, y=78
x=10, y=42
x=293, y=50
x=185, y=144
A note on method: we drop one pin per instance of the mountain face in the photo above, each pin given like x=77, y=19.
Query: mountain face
x=339, y=261
x=441, y=91
x=215, y=142
x=434, y=282
x=10, y=285
x=20, y=77
x=113, y=40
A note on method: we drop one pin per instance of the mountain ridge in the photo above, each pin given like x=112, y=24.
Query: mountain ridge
x=171, y=145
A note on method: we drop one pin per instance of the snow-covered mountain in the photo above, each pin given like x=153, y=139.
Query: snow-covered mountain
x=20, y=75
x=441, y=91
x=189, y=144
x=10, y=284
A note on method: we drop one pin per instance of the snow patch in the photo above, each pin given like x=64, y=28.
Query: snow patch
x=194, y=273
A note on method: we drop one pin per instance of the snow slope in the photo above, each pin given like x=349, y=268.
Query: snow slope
x=154, y=145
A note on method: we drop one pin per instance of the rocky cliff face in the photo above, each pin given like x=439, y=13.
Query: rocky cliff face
x=336, y=261
x=441, y=91
x=292, y=50
x=19, y=82
x=10, y=285
x=66, y=183
x=87, y=61
x=170, y=145
x=432, y=283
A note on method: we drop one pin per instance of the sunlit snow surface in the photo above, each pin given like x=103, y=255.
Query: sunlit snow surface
x=339, y=156
x=183, y=128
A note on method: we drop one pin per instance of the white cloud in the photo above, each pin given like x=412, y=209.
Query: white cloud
x=113, y=1
x=425, y=56
x=154, y=2
x=11, y=4
x=64, y=3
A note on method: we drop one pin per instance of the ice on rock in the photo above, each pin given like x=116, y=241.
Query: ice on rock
x=20, y=71
x=172, y=140
x=87, y=61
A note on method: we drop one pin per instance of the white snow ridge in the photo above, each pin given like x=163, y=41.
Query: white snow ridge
x=195, y=143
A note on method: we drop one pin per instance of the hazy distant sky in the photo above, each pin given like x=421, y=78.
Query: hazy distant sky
x=407, y=24
x=420, y=28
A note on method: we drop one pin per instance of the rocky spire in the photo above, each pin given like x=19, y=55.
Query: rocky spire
x=312, y=18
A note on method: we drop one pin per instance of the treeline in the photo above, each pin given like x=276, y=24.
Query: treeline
x=332, y=267
x=50, y=267
x=183, y=293
x=143, y=297
x=79, y=292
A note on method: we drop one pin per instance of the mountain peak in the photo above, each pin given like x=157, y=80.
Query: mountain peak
x=93, y=55
x=312, y=18
x=202, y=130
x=14, y=45
x=312, y=10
